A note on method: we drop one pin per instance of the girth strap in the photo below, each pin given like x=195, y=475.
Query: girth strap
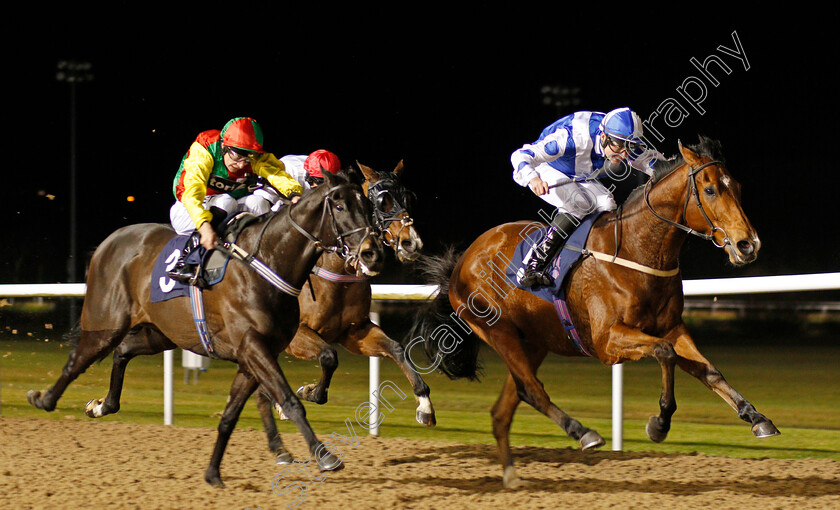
x=626, y=263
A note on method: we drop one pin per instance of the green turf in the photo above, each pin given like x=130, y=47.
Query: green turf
x=797, y=387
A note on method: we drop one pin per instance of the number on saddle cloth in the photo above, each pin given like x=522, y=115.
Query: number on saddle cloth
x=213, y=262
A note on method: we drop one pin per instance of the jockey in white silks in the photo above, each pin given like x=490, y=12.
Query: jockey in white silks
x=562, y=166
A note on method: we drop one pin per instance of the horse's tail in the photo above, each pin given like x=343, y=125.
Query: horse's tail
x=461, y=359
x=72, y=337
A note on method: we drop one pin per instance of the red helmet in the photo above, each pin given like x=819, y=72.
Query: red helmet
x=321, y=160
x=243, y=133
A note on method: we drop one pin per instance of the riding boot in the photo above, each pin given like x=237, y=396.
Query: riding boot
x=532, y=272
x=182, y=271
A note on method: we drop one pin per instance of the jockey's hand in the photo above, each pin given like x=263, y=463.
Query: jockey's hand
x=295, y=199
x=538, y=186
x=208, y=236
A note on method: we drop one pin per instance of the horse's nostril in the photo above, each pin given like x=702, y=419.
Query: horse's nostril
x=746, y=247
x=369, y=255
x=407, y=245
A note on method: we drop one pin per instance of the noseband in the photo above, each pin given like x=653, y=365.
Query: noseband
x=693, y=191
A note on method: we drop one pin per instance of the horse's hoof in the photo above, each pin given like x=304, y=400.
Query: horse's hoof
x=510, y=480
x=309, y=393
x=765, y=429
x=590, y=440
x=427, y=419
x=214, y=479
x=93, y=409
x=329, y=462
x=284, y=458
x=36, y=399
x=655, y=431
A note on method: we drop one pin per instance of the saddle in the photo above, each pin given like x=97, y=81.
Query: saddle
x=213, y=262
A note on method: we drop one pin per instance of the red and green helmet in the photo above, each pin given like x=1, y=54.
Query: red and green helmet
x=243, y=133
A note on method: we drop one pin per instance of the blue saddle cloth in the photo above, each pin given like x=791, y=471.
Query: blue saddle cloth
x=561, y=264
x=164, y=287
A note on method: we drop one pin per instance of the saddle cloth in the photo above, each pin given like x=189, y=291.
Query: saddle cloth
x=213, y=262
x=560, y=265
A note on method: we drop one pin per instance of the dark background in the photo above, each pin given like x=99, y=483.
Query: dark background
x=453, y=102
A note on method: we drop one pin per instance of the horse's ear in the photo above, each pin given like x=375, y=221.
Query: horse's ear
x=370, y=175
x=689, y=155
x=353, y=175
x=399, y=169
x=330, y=179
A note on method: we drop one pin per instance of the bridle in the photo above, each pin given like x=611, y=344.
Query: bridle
x=692, y=191
x=341, y=247
x=377, y=191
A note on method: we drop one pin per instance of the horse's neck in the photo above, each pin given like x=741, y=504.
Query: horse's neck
x=647, y=239
x=286, y=251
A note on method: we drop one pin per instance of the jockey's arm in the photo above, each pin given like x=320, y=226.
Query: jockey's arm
x=526, y=159
x=274, y=171
x=197, y=168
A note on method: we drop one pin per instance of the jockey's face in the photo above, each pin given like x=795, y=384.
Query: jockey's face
x=236, y=162
x=613, y=151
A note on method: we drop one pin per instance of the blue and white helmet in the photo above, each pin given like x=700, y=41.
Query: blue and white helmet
x=625, y=125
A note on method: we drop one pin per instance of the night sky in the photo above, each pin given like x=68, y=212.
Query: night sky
x=451, y=102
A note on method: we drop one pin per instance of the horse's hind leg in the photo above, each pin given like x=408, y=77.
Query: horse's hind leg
x=370, y=340
x=275, y=444
x=523, y=385
x=502, y=416
x=308, y=345
x=690, y=360
x=92, y=347
x=145, y=341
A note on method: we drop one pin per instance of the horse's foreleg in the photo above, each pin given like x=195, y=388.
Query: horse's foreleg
x=626, y=343
x=92, y=347
x=308, y=345
x=275, y=444
x=255, y=356
x=146, y=341
x=690, y=360
x=243, y=386
x=369, y=340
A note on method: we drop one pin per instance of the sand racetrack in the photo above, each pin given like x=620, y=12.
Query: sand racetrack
x=81, y=463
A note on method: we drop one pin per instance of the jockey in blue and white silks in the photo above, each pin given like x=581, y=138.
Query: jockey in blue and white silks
x=562, y=168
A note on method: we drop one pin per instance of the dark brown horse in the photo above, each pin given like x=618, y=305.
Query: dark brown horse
x=251, y=321
x=621, y=313
x=335, y=307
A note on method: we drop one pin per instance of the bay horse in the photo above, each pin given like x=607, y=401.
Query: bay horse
x=335, y=307
x=250, y=319
x=620, y=313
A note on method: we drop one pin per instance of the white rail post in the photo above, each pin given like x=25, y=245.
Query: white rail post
x=167, y=386
x=617, y=407
x=373, y=384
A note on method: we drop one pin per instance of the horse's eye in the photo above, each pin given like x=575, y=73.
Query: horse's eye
x=710, y=191
x=339, y=207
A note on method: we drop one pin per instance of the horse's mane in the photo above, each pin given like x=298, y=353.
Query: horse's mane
x=665, y=166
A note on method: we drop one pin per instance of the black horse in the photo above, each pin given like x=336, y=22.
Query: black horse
x=250, y=320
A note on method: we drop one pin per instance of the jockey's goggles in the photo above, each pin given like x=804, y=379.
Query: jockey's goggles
x=240, y=155
x=634, y=149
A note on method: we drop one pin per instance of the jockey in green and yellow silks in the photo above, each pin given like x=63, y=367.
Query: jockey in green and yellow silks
x=215, y=174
